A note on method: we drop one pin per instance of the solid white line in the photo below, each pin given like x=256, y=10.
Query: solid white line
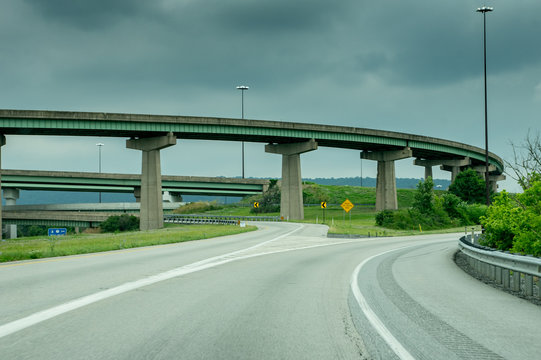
x=376, y=322
x=41, y=316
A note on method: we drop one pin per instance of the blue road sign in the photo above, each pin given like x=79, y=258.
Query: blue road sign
x=57, y=231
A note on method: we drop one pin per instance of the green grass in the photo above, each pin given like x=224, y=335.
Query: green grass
x=42, y=246
x=363, y=222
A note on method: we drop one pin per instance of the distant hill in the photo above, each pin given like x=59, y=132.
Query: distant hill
x=401, y=183
x=70, y=197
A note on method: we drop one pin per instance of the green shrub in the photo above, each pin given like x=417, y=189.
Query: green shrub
x=515, y=223
x=31, y=230
x=385, y=218
x=469, y=186
x=123, y=222
x=423, y=196
x=499, y=222
x=450, y=204
x=269, y=202
x=470, y=214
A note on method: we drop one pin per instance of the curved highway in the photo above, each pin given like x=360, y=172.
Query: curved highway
x=35, y=122
x=283, y=292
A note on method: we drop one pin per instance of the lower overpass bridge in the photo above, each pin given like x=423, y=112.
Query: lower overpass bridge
x=176, y=186
x=173, y=188
x=93, y=219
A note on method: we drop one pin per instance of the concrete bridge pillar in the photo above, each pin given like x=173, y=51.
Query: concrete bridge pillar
x=2, y=143
x=454, y=166
x=11, y=195
x=172, y=197
x=386, y=180
x=291, y=204
x=493, y=182
x=428, y=172
x=137, y=194
x=481, y=170
x=151, y=215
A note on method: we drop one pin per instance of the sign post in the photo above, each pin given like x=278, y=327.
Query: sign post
x=57, y=231
x=54, y=233
x=323, y=206
x=347, y=206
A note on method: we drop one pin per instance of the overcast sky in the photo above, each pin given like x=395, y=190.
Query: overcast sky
x=410, y=66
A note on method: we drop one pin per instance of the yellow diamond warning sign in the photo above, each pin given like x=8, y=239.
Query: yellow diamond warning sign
x=347, y=205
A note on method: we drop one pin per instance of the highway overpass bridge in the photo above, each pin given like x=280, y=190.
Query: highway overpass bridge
x=151, y=133
x=173, y=187
x=15, y=180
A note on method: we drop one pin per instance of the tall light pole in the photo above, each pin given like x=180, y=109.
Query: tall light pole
x=484, y=11
x=99, y=145
x=242, y=88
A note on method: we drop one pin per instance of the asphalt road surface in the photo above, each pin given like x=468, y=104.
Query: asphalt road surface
x=283, y=292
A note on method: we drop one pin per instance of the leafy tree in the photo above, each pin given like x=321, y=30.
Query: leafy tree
x=385, y=218
x=515, y=223
x=469, y=187
x=31, y=230
x=270, y=200
x=451, y=202
x=123, y=222
x=423, y=200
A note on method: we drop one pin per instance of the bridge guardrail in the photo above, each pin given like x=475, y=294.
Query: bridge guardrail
x=214, y=219
x=504, y=268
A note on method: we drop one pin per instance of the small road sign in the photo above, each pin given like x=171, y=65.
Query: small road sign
x=256, y=205
x=347, y=205
x=57, y=231
x=323, y=204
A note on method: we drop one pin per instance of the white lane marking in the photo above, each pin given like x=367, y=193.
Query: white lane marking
x=41, y=316
x=376, y=322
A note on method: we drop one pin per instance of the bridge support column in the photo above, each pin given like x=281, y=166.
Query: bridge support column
x=454, y=166
x=481, y=171
x=11, y=195
x=137, y=194
x=2, y=143
x=428, y=172
x=151, y=215
x=291, y=204
x=493, y=183
x=172, y=197
x=386, y=179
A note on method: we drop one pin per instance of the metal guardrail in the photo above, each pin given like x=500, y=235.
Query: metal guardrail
x=214, y=219
x=183, y=220
x=503, y=268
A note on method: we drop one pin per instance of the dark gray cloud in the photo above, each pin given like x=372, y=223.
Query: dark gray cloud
x=90, y=14
x=406, y=43
x=411, y=66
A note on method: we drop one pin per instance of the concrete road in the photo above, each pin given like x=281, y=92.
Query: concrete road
x=420, y=305
x=284, y=292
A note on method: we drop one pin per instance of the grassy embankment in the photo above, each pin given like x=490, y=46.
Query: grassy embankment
x=361, y=222
x=362, y=215
x=43, y=246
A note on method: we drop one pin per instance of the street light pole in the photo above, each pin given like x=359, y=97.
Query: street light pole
x=99, y=145
x=484, y=10
x=242, y=88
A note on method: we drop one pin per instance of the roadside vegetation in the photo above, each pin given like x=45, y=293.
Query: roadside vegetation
x=431, y=212
x=513, y=221
x=119, y=223
x=42, y=246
